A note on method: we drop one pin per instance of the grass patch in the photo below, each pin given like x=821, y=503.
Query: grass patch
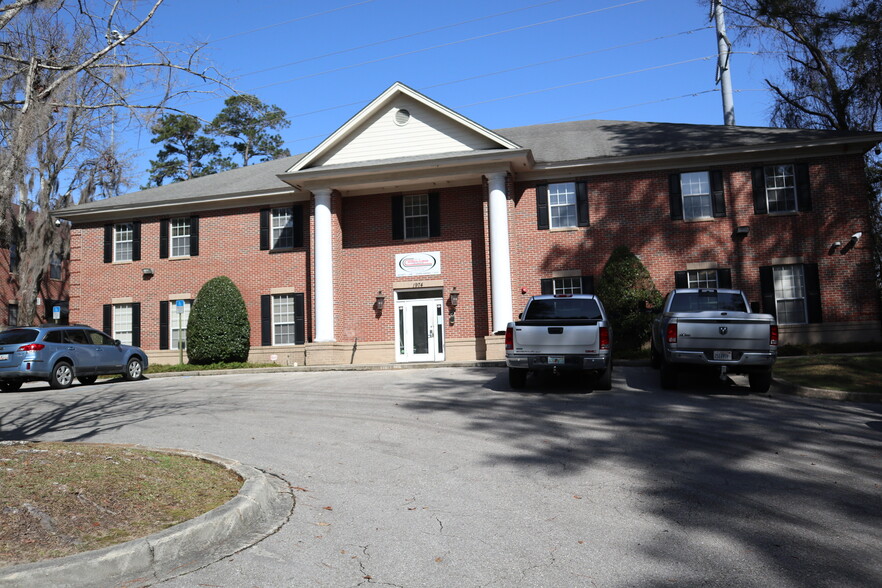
x=858, y=373
x=58, y=499
x=186, y=367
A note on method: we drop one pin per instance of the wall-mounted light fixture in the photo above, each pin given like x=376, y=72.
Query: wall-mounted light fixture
x=381, y=301
x=453, y=301
x=851, y=243
x=836, y=245
x=147, y=271
x=454, y=298
x=741, y=232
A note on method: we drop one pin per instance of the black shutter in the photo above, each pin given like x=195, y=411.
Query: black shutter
x=681, y=280
x=812, y=292
x=718, y=199
x=107, y=323
x=264, y=229
x=724, y=278
x=759, y=191
x=108, y=243
x=297, y=219
x=136, y=324
x=397, y=217
x=676, y=196
x=582, y=204
x=542, y=207
x=767, y=287
x=547, y=286
x=163, y=239
x=194, y=236
x=587, y=284
x=299, y=322
x=266, y=320
x=163, y=324
x=434, y=214
x=803, y=187
x=136, y=241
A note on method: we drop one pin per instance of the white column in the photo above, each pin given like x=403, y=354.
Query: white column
x=324, y=267
x=500, y=257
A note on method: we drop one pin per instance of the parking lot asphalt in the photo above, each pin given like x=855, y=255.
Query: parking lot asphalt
x=445, y=476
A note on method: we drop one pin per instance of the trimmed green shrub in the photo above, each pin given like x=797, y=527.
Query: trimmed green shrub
x=626, y=289
x=218, y=329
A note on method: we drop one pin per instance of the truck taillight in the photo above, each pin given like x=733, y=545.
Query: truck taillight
x=604, y=337
x=509, y=338
x=773, y=335
x=32, y=347
x=672, y=333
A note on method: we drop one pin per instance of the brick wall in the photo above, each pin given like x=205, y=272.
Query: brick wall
x=625, y=209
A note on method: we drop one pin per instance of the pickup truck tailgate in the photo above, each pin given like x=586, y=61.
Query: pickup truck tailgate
x=712, y=334
x=555, y=339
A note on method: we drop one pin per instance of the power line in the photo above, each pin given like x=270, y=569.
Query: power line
x=448, y=44
x=602, y=78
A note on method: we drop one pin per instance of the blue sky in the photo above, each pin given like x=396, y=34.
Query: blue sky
x=501, y=63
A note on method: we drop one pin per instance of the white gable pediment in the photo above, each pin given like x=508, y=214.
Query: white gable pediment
x=401, y=123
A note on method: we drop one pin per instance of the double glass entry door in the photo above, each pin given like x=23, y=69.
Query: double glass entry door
x=419, y=326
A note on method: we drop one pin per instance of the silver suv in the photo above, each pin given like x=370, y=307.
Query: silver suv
x=58, y=354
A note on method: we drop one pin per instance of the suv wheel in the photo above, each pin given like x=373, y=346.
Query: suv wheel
x=62, y=375
x=134, y=369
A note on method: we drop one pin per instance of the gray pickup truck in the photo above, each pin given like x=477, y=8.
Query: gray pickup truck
x=713, y=328
x=557, y=333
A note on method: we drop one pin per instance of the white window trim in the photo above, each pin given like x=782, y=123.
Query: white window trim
x=293, y=321
x=120, y=316
x=792, y=188
x=173, y=320
x=275, y=214
x=801, y=269
x=117, y=230
x=706, y=196
x=574, y=204
x=407, y=219
x=566, y=285
x=697, y=281
x=172, y=237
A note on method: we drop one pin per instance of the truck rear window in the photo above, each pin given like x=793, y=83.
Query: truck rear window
x=563, y=308
x=709, y=300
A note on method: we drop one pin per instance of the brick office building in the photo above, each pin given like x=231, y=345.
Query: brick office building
x=414, y=234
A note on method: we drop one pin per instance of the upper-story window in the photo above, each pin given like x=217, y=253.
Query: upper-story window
x=281, y=228
x=697, y=195
x=123, y=240
x=562, y=205
x=781, y=188
x=180, y=237
x=416, y=216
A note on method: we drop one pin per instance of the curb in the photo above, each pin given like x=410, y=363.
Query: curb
x=785, y=387
x=262, y=506
x=362, y=367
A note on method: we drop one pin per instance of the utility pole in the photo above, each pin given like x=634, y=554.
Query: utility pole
x=724, y=77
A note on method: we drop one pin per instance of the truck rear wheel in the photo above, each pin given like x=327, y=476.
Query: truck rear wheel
x=517, y=377
x=604, y=380
x=668, y=375
x=760, y=382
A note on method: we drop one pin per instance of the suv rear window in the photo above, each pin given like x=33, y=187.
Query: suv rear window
x=563, y=308
x=17, y=336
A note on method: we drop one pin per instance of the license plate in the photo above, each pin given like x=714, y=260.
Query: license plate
x=723, y=355
x=4, y=356
x=555, y=360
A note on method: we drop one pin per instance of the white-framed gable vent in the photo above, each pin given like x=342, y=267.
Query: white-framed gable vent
x=402, y=116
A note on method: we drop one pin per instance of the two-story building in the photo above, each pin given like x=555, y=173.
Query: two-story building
x=414, y=234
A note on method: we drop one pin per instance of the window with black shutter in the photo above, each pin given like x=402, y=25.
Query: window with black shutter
x=781, y=188
x=562, y=205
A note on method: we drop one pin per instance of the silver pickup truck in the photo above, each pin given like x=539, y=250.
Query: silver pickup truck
x=713, y=328
x=564, y=332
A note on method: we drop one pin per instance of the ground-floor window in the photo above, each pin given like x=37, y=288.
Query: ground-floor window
x=177, y=322
x=790, y=294
x=282, y=319
x=710, y=278
x=568, y=285
x=122, y=323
